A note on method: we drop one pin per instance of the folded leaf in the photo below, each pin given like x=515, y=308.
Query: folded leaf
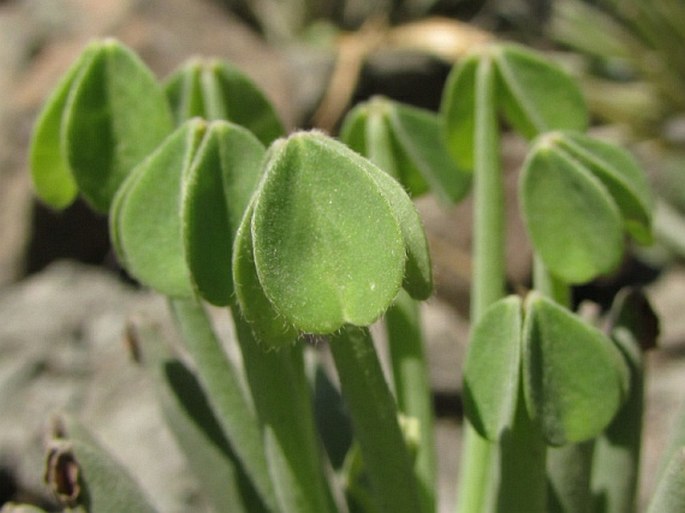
x=418, y=133
x=620, y=174
x=146, y=220
x=537, y=95
x=218, y=187
x=328, y=247
x=368, y=131
x=574, y=376
x=269, y=326
x=50, y=169
x=406, y=142
x=492, y=368
x=115, y=117
x=458, y=112
x=217, y=90
x=573, y=221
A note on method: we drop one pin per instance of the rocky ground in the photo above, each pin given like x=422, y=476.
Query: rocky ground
x=62, y=326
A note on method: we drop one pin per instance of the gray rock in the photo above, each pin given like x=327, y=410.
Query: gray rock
x=61, y=349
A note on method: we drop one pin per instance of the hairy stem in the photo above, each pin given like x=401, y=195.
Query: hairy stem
x=374, y=419
x=221, y=382
x=489, y=272
x=412, y=387
x=282, y=398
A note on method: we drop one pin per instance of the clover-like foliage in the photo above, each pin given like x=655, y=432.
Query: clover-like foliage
x=106, y=115
x=573, y=376
x=174, y=219
x=406, y=143
x=535, y=96
x=328, y=240
x=579, y=196
x=214, y=89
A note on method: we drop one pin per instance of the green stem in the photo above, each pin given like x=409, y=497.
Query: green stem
x=489, y=271
x=374, y=418
x=523, y=455
x=412, y=387
x=282, y=398
x=549, y=285
x=221, y=383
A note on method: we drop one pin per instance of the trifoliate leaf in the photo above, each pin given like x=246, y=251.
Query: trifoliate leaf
x=573, y=374
x=620, y=174
x=537, y=95
x=217, y=90
x=418, y=135
x=116, y=115
x=328, y=246
x=573, y=221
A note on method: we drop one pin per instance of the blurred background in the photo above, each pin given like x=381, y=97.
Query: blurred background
x=60, y=323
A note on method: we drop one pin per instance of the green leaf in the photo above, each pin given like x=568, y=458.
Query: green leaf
x=224, y=388
x=537, y=95
x=219, y=185
x=328, y=246
x=216, y=90
x=269, y=327
x=353, y=129
x=573, y=221
x=381, y=150
x=418, y=276
x=146, y=221
x=419, y=138
x=183, y=89
x=458, y=112
x=50, y=170
x=492, y=368
x=198, y=433
x=405, y=142
x=115, y=211
x=620, y=174
x=574, y=376
x=116, y=116
x=367, y=131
